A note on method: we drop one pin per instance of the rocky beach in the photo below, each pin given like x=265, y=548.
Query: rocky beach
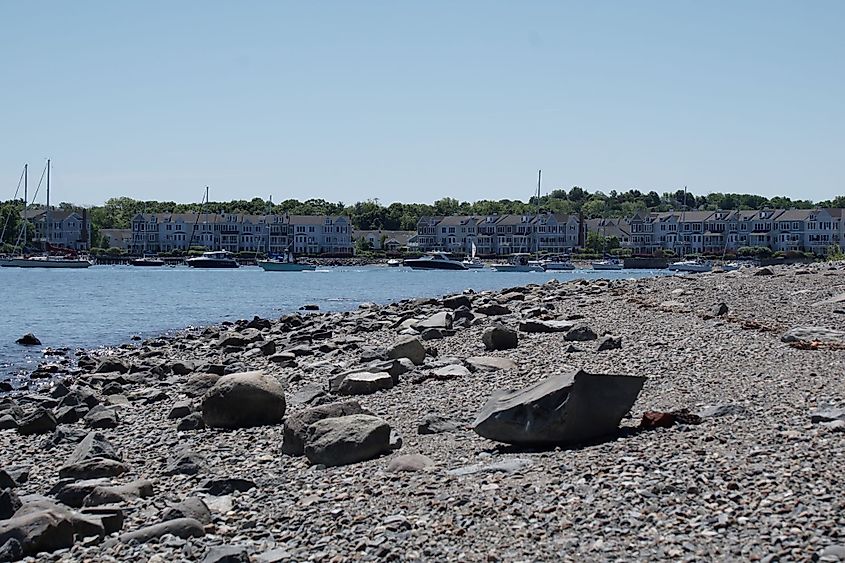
x=359, y=435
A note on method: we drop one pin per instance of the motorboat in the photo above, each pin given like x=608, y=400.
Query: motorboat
x=215, y=259
x=519, y=263
x=434, y=261
x=394, y=262
x=287, y=263
x=558, y=263
x=473, y=263
x=45, y=262
x=694, y=266
x=607, y=264
x=147, y=261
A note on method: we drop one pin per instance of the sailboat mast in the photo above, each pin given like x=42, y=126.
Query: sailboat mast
x=536, y=227
x=25, y=200
x=47, y=216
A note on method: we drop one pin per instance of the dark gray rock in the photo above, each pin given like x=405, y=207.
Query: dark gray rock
x=540, y=326
x=111, y=517
x=193, y=421
x=95, y=468
x=101, y=417
x=9, y=503
x=493, y=310
x=564, y=409
x=243, y=400
x=180, y=409
x=40, y=421
x=112, y=365
x=407, y=347
x=198, y=384
x=499, y=337
x=6, y=480
x=609, y=343
x=11, y=550
x=580, y=333
x=220, y=486
x=346, y=439
x=64, y=434
x=28, y=339
x=718, y=310
x=180, y=527
x=226, y=554
x=94, y=445
x=38, y=532
x=827, y=415
x=116, y=494
x=72, y=493
x=457, y=301
x=365, y=383
x=8, y=422
x=308, y=395
x=807, y=335
x=437, y=424
x=191, y=507
x=185, y=461
x=431, y=334
x=296, y=425
x=763, y=272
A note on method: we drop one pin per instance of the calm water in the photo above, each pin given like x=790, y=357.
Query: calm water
x=106, y=305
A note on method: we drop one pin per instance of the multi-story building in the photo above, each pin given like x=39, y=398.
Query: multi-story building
x=61, y=227
x=240, y=232
x=116, y=238
x=718, y=232
x=391, y=241
x=499, y=234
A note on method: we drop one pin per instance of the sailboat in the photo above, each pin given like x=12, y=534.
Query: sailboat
x=215, y=259
x=521, y=261
x=68, y=260
x=473, y=262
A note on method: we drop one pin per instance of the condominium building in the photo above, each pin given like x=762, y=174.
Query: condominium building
x=61, y=227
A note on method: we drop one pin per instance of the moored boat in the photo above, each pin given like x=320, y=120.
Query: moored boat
x=434, y=261
x=147, y=261
x=287, y=263
x=216, y=259
x=519, y=263
x=394, y=262
x=45, y=262
x=607, y=264
x=558, y=263
x=693, y=266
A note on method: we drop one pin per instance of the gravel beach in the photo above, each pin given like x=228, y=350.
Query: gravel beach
x=748, y=466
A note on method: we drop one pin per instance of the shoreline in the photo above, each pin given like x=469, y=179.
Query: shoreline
x=727, y=488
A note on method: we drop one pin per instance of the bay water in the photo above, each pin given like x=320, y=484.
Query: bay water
x=107, y=305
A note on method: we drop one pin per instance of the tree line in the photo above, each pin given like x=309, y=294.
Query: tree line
x=117, y=212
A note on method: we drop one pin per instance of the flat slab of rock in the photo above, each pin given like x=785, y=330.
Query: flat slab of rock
x=410, y=463
x=437, y=424
x=810, y=334
x=93, y=445
x=347, y=439
x=491, y=362
x=180, y=527
x=536, y=325
x=506, y=466
x=243, y=400
x=442, y=320
x=39, y=531
x=365, y=383
x=564, y=409
x=94, y=468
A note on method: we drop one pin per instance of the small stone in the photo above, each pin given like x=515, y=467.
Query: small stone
x=410, y=462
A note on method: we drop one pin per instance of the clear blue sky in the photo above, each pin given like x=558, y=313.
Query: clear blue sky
x=413, y=101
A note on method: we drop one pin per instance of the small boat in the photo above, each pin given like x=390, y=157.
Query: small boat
x=46, y=262
x=558, y=263
x=147, y=261
x=434, y=261
x=607, y=264
x=519, y=263
x=216, y=259
x=472, y=262
x=287, y=263
x=694, y=266
x=394, y=262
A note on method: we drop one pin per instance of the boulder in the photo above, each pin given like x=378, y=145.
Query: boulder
x=93, y=445
x=407, y=347
x=457, y=301
x=115, y=494
x=490, y=363
x=243, y=400
x=95, y=468
x=763, y=272
x=296, y=425
x=365, y=383
x=499, y=337
x=564, y=409
x=72, y=493
x=180, y=527
x=410, y=462
x=9, y=503
x=39, y=531
x=609, y=343
x=40, y=421
x=180, y=409
x=493, y=310
x=437, y=424
x=536, y=325
x=112, y=365
x=28, y=339
x=442, y=320
x=191, y=507
x=347, y=439
x=580, y=333
x=101, y=417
